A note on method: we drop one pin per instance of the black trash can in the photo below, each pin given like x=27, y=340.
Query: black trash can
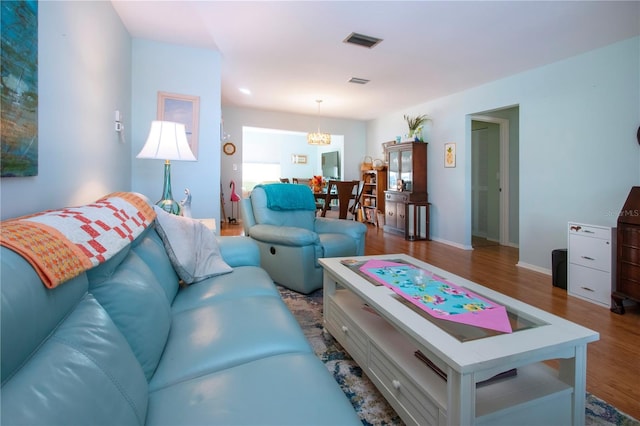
x=559, y=268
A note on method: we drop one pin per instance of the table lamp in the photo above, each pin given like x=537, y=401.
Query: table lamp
x=167, y=141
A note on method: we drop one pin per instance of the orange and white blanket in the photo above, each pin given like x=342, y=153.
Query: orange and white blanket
x=61, y=244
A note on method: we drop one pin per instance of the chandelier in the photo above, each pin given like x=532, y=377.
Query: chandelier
x=318, y=138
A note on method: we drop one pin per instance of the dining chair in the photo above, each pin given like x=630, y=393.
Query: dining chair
x=302, y=181
x=344, y=192
x=357, y=203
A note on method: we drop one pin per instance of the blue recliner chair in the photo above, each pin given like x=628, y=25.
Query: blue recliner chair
x=281, y=218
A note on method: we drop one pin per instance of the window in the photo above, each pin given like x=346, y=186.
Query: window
x=255, y=173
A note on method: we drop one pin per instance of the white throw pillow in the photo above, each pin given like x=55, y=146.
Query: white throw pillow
x=191, y=246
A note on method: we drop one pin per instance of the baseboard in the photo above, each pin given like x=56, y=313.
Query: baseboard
x=534, y=268
x=451, y=243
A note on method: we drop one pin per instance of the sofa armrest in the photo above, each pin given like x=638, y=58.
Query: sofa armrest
x=336, y=226
x=284, y=235
x=239, y=251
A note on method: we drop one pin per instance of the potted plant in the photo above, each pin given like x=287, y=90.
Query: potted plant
x=415, y=126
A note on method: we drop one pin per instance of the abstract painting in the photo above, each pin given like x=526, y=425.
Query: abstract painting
x=19, y=89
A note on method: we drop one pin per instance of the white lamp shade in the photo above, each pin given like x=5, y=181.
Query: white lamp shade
x=167, y=141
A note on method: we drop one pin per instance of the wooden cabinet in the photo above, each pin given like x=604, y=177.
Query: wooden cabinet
x=591, y=266
x=406, y=185
x=373, y=199
x=394, y=212
x=628, y=253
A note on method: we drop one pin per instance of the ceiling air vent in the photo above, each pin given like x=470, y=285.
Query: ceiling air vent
x=362, y=40
x=357, y=80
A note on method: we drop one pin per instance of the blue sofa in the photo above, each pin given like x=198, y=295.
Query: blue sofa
x=125, y=344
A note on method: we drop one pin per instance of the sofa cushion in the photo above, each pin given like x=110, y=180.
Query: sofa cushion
x=83, y=373
x=138, y=305
x=227, y=333
x=151, y=249
x=246, y=281
x=29, y=310
x=239, y=251
x=191, y=246
x=288, y=389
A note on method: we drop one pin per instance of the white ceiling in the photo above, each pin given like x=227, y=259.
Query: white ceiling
x=290, y=53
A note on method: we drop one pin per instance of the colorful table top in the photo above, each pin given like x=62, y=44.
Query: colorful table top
x=438, y=297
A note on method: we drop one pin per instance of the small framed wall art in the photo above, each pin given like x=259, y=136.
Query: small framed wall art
x=450, y=154
x=299, y=159
x=183, y=109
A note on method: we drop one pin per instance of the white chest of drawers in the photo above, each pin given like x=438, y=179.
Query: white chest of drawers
x=591, y=272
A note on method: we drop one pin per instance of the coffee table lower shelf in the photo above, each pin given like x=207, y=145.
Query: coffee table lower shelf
x=420, y=396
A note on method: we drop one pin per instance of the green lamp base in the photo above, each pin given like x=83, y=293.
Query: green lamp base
x=170, y=206
x=167, y=203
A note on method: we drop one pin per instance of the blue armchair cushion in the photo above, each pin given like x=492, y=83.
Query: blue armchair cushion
x=283, y=196
x=265, y=216
x=285, y=235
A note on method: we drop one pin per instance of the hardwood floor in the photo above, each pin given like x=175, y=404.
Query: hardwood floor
x=613, y=362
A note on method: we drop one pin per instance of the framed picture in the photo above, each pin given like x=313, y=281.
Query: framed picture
x=183, y=109
x=298, y=159
x=449, y=154
x=19, y=95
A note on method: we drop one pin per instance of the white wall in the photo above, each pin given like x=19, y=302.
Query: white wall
x=277, y=146
x=194, y=72
x=84, y=63
x=237, y=118
x=264, y=146
x=578, y=154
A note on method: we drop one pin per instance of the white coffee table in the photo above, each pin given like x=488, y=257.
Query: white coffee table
x=382, y=334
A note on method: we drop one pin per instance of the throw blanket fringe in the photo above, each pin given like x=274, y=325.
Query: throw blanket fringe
x=61, y=244
x=286, y=196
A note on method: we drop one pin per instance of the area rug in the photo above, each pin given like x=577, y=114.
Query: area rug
x=368, y=402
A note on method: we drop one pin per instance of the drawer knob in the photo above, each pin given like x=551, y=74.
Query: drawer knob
x=587, y=289
x=396, y=384
x=344, y=329
x=587, y=258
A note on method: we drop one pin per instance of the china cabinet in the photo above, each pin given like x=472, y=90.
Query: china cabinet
x=406, y=187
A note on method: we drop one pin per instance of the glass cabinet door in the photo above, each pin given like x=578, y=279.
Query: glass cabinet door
x=394, y=170
x=406, y=170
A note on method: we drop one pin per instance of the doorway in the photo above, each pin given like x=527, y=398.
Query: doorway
x=271, y=154
x=494, y=178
